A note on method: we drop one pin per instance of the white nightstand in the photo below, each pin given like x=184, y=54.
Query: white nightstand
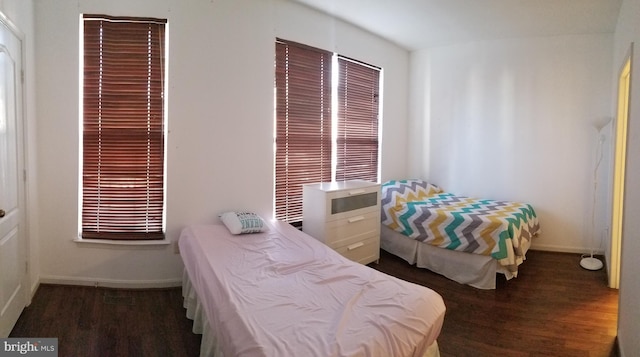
x=345, y=216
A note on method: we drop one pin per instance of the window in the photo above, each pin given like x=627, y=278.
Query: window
x=123, y=128
x=303, y=124
x=324, y=130
x=357, y=141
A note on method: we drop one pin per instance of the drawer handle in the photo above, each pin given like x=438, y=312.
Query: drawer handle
x=355, y=246
x=355, y=219
x=356, y=192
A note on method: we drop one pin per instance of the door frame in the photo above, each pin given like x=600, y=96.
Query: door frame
x=618, y=176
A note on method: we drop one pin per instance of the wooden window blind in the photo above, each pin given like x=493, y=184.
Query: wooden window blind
x=303, y=124
x=123, y=136
x=357, y=134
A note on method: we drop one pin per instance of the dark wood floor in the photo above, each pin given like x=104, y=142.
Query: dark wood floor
x=92, y=321
x=554, y=308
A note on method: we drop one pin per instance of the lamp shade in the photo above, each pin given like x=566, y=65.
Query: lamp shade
x=600, y=122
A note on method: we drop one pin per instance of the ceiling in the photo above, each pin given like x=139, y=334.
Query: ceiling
x=419, y=24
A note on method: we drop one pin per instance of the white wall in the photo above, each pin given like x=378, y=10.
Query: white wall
x=511, y=120
x=628, y=31
x=220, y=146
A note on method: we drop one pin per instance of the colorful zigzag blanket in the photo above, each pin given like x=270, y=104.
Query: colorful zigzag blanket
x=421, y=211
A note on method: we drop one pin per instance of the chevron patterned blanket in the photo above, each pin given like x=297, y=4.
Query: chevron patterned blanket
x=421, y=211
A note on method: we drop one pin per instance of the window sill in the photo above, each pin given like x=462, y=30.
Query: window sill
x=131, y=243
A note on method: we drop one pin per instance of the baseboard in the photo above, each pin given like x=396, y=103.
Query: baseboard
x=111, y=283
x=560, y=249
x=32, y=292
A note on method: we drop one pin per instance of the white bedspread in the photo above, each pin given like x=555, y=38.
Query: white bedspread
x=283, y=293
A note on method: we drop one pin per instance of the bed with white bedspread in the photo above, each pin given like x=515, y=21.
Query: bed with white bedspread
x=283, y=293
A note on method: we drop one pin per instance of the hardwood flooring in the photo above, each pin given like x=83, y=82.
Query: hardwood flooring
x=92, y=321
x=553, y=308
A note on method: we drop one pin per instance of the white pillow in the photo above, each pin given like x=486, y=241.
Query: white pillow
x=243, y=222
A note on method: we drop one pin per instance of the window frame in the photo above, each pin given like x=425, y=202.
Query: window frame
x=336, y=153
x=298, y=120
x=145, y=190
x=357, y=131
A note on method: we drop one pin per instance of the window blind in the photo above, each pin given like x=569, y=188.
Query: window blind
x=123, y=128
x=303, y=124
x=358, y=106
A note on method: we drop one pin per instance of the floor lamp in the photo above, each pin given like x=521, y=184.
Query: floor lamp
x=589, y=262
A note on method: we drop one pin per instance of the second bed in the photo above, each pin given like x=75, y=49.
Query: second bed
x=466, y=239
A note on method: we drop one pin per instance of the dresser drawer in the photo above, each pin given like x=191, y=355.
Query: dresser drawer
x=353, y=202
x=353, y=229
x=364, y=252
x=344, y=215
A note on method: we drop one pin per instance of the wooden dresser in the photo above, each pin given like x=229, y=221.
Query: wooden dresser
x=345, y=216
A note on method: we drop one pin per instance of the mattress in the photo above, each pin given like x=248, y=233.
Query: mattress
x=283, y=293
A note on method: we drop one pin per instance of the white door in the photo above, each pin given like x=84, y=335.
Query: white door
x=13, y=287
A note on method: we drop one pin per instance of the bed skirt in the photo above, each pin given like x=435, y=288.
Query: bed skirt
x=196, y=313
x=475, y=270
x=201, y=326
